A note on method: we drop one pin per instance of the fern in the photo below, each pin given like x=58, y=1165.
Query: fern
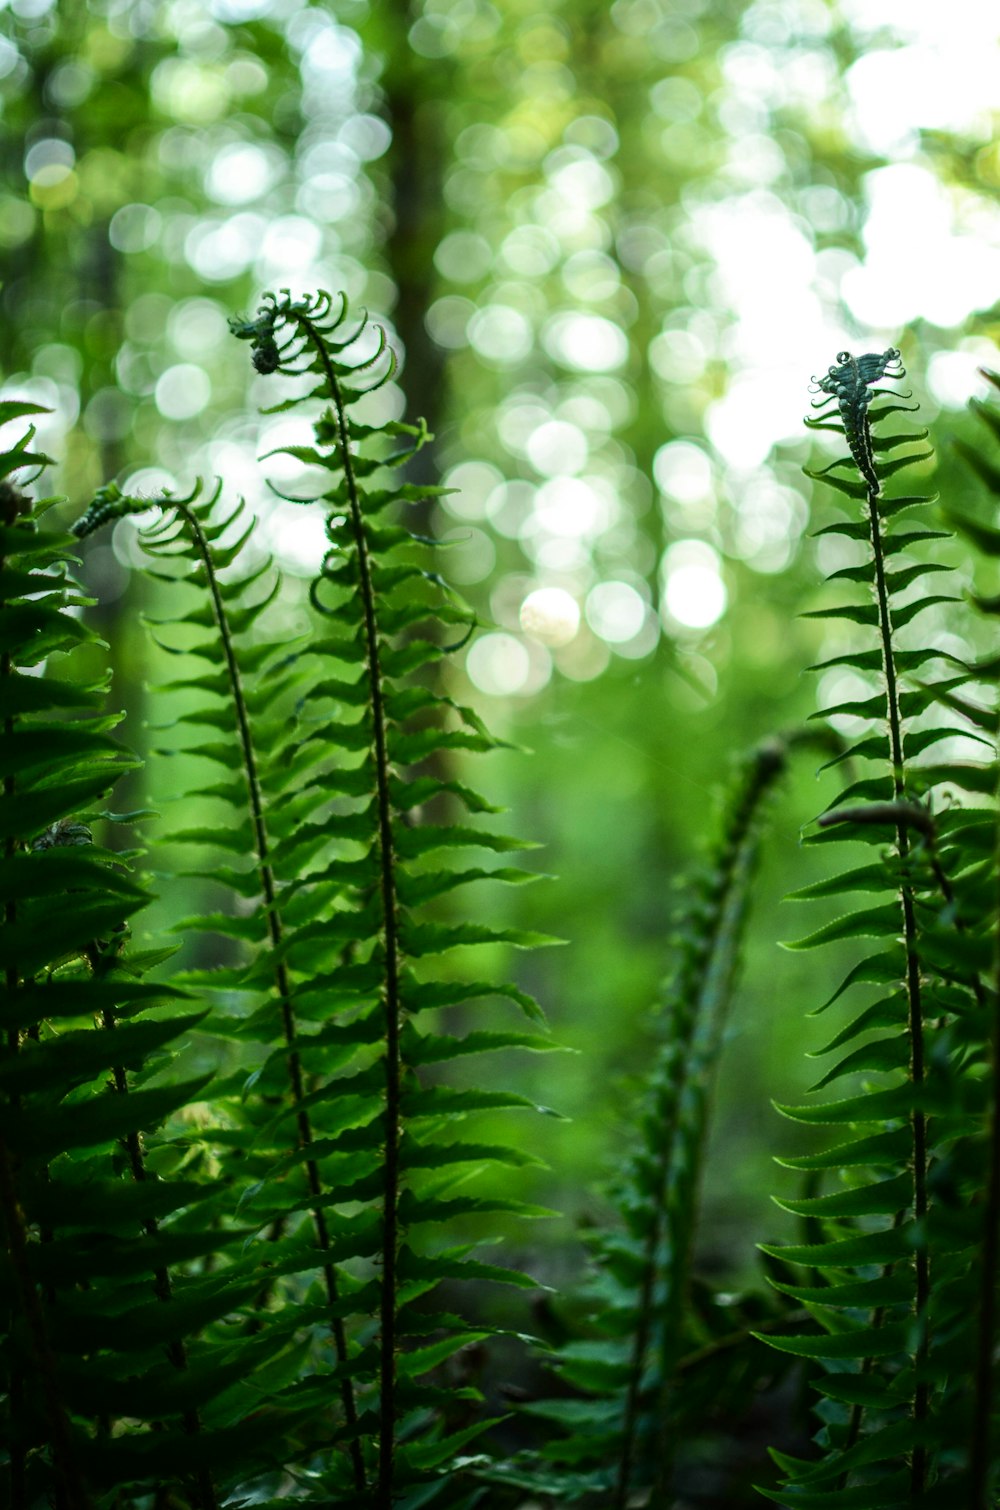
x=186, y=541
x=332, y=735
x=982, y=1448
x=99, y=1326
x=898, y=1229
x=621, y=1424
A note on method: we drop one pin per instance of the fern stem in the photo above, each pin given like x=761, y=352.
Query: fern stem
x=390, y=922
x=918, y=1124
x=275, y=932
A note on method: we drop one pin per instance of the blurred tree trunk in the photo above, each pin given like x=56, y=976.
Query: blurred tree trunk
x=415, y=91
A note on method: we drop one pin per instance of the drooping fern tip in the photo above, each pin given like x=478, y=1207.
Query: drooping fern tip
x=108, y=503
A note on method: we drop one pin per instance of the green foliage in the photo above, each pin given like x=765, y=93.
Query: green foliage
x=658, y=1352
x=94, y=1279
x=331, y=1138
x=237, y=1275
x=893, y=1249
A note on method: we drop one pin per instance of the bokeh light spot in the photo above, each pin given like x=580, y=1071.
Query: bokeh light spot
x=469, y=556
x=557, y=447
x=615, y=611
x=240, y=172
x=693, y=590
x=472, y=483
x=683, y=471
x=134, y=228
x=498, y=664
x=463, y=257
x=182, y=391
x=587, y=342
x=501, y=334
x=550, y=614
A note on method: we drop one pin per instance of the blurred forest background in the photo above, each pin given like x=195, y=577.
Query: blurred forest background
x=610, y=242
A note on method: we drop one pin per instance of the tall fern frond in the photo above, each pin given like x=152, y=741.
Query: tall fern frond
x=373, y=596
x=898, y=1226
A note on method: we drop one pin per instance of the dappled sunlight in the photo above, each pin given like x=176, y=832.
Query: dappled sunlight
x=642, y=248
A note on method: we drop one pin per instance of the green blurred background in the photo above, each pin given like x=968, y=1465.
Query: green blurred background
x=610, y=243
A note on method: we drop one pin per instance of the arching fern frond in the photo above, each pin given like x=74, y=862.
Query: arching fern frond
x=187, y=542
x=619, y=1427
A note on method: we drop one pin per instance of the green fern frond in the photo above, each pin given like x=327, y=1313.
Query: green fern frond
x=617, y=1430
x=983, y=1475
x=187, y=538
x=372, y=589
x=895, y=1241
